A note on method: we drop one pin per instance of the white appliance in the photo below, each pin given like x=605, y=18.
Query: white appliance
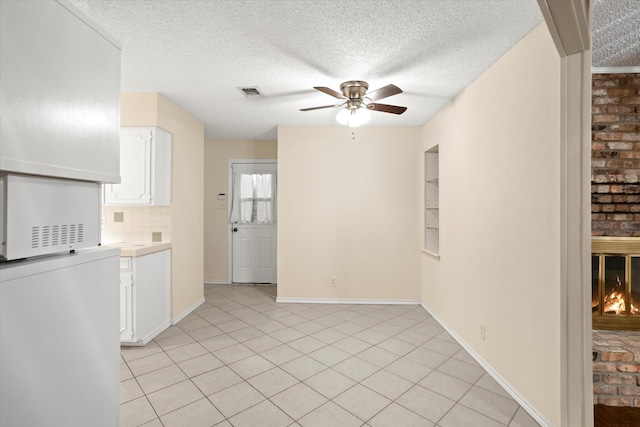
x=41, y=215
x=59, y=357
x=59, y=292
x=60, y=81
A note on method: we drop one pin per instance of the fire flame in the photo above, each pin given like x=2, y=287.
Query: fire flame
x=614, y=302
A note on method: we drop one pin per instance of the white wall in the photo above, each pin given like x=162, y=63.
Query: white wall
x=499, y=144
x=349, y=209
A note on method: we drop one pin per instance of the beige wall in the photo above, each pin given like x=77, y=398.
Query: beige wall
x=349, y=209
x=500, y=220
x=216, y=158
x=187, y=182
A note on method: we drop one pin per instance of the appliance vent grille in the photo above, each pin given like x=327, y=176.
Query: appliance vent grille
x=250, y=91
x=56, y=235
x=45, y=236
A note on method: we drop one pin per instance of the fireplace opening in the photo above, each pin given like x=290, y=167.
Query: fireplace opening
x=615, y=289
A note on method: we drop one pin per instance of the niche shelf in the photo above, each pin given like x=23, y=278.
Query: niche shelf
x=432, y=202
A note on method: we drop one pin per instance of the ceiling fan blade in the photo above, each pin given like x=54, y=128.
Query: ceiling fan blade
x=385, y=108
x=319, y=108
x=384, y=92
x=329, y=91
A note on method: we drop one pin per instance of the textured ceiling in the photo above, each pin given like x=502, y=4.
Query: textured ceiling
x=198, y=53
x=616, y=33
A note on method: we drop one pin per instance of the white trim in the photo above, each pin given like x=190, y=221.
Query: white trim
x=347, y=301
x=569, y=24
x=576, y=365
x=216, y=282
x=524, y=403
x=614, y=70
x=187, y=312
x=143, y=341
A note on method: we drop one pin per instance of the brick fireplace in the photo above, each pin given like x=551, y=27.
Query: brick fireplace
x=615, y=284
x=615, y=155
x=615, y=227
x=616, y=368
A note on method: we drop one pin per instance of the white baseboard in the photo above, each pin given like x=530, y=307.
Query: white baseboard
x=187, y=312
x=540, y=419
x=143, y=341
x=347, y=301
x=216, y=282
x=155, y=333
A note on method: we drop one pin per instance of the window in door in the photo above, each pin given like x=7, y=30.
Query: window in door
x=256, y=198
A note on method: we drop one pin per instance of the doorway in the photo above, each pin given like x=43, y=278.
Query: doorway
x=252, y=221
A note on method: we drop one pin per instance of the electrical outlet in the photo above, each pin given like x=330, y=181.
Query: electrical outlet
x=483, y=329
x=332, y=282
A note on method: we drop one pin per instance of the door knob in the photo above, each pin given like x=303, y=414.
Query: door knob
x=235, y=229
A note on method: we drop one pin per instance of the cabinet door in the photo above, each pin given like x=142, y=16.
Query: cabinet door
x=135, y=169
x=145, y=168
x=126, y=306
x=60, y=93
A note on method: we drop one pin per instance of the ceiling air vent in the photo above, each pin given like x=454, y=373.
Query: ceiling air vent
x=250, y=91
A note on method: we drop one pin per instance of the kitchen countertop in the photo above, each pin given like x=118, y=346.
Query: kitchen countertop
x=136, y=249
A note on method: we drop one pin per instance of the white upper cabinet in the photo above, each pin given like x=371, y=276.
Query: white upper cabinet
x=145, y=168
x=59, y=93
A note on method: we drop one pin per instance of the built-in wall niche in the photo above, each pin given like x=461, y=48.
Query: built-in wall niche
x=432, y=201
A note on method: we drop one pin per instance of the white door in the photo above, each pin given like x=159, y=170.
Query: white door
x=253, y=223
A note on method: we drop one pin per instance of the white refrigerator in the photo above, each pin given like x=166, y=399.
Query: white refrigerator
x=59, y=290
x=59, y=335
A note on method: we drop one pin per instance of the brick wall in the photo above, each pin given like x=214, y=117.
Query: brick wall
x=616, y=368
x=615, y=155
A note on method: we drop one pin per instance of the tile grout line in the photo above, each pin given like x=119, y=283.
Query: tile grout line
x=360, y=314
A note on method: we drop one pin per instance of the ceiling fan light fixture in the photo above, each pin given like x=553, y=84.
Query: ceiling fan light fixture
x=353, y=116
x=359, y=118
x=343, y=116
x=356, y=103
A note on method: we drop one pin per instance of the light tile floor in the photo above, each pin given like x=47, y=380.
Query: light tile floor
x=241, y=359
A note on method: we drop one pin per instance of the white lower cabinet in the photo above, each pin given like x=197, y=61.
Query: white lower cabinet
x=144, y=297
x=126, y=300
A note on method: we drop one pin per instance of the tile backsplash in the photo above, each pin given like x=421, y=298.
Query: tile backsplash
x=136, y=223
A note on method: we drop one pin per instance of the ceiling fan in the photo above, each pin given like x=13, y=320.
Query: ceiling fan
x=357, y=102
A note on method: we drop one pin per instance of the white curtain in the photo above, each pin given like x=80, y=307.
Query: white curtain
x=254, y=195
